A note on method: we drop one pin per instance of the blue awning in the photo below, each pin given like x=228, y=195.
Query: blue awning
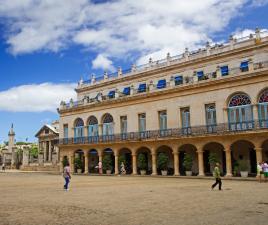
x=161, y=84
x=178, y=78
x=126, y=91
x=244, y=65
x=142, y=87
x=111, y=94
x=224, y=70
x=200, y=74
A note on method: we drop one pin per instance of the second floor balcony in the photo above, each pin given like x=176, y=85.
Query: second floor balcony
x=174, y=133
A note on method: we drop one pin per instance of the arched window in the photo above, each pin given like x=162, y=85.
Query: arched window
x=263, y=109
x=210, y=117
x=107, y=118
x=108, y=125
x=78, y=130
x=79, y=122
x=240, y=112
x=239, y=99
x=92, y=126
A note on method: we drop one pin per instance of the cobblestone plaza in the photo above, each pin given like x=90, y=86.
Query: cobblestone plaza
x=37, y=198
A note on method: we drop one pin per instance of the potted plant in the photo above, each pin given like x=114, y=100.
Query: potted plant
x=212, y=160
x=142, y=164
x=78, y=165
x=188, y=163
x=243, y=167
x=162, y=163
x=64, y=162
x=107, y=164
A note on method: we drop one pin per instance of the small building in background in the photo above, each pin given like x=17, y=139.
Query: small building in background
x=48, y=137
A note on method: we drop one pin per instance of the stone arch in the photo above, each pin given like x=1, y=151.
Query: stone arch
x=107, y=118
x=92, y=120
x=148, y=157
x=188, y=149
x=108, y=152
x=231, y=98
x=78, y=122
x=263, y=95
x=265, y=151
x=93, y=160
x=217, y=149
x=79, y=155
x=263, y=108
x=243, y=150
x=125, y=155
x=168, y=151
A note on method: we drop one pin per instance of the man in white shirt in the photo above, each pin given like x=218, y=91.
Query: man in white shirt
x=100, y=167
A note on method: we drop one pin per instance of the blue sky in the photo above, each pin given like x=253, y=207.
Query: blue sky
x=46, y=46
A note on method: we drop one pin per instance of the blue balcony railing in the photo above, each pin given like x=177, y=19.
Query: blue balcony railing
x=206, y=130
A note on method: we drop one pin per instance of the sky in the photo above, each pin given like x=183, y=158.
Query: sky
x=47, y=46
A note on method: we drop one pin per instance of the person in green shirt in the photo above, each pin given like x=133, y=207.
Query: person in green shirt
x=217, y=176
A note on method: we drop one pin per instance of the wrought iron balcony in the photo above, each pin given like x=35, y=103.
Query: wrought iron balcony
x=215, y=129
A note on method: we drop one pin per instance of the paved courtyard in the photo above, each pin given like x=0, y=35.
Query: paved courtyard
x=35, y=198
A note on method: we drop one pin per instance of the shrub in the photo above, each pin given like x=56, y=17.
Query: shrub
x=142, y=164
x=162, y=161
x=243, y=165
x=107, y=162
x=187, y=162
x=78, y=163
x=213, y=158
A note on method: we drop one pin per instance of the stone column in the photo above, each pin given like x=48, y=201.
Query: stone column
x=200, y=163
x=45, y=151
x=228, y=162
x=71, y=160
x=134, y=164
x=49, y=152
x=116, y=162
x=86, y=162
x=154, y=172
x=258, y=154
x=255, y=112
x=61, y=164
x=25, y=157
x=176, y=163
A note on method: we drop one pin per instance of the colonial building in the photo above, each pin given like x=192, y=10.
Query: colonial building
x=48, y=137
x=213, y=100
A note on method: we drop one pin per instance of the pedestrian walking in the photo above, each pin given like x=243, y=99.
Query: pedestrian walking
x=259, y=171
x=67, y=176
x=217, y=176
x=265, y=170
x=100, y=167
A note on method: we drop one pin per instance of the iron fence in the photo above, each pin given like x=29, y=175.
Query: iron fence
x=214, y=129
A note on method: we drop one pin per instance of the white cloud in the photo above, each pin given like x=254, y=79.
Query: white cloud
x=116, y=29
x=245, y=33
x=102, y=62
x=258, y=3
x=36, y=97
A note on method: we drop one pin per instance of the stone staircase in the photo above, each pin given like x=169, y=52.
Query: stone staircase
x=50, y=168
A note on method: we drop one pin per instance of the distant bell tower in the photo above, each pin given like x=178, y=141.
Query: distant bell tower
x=11, y=139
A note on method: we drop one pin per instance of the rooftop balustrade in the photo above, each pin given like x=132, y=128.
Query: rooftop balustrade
x=206, y=130
x=169, y=84
x=233, y=43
